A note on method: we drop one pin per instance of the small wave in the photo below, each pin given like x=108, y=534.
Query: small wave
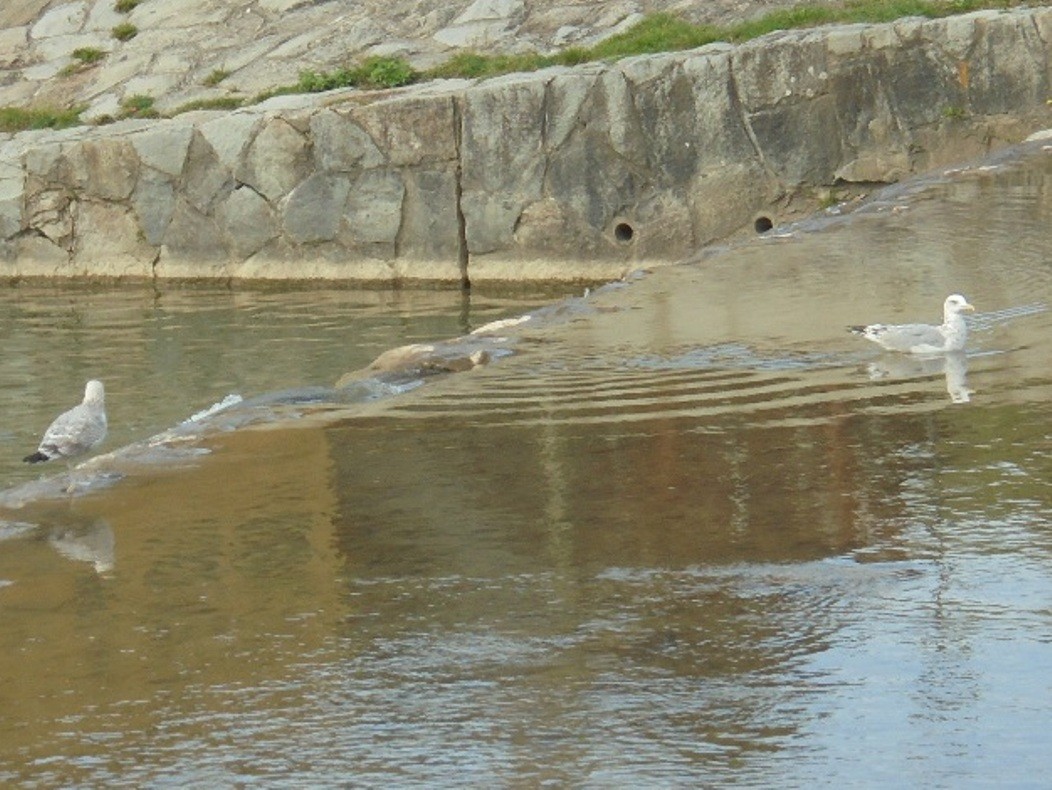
x=736, y=356
x=987, y=320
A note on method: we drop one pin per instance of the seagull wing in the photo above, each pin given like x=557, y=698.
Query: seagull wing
x=906, y=337
x=74, y=432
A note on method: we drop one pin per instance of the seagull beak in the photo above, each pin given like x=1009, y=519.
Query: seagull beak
x=966, y=306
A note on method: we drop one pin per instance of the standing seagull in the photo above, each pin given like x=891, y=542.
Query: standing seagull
x=923, y=338
x=74, y=432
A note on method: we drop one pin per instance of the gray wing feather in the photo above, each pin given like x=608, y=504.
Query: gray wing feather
x=74, y=432
x=904, y=337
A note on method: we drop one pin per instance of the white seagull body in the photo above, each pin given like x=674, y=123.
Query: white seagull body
x=923, y=338
x=75, y=432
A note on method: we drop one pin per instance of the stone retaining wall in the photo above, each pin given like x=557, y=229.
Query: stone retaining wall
x=577, y=173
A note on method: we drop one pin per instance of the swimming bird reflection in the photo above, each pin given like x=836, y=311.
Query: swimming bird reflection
x=953, y=365
x=93, y=544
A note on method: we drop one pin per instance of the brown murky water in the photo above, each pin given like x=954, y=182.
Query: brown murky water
x=691, y=532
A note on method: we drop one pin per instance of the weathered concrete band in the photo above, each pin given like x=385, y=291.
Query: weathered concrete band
x=577, y=173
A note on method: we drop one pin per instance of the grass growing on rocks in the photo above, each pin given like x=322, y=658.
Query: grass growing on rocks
x=375, y=72
x=661, y=32
x=216, y=77
x=371, y=74
x=214, y=103
x=125, y=31
x=82, y=58
x=664, y=32
x=139, y=105
x=89, y=54
x=17, y=119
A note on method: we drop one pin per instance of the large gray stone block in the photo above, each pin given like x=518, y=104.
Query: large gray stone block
x=313, y=210
x=341, y=145
x=154, y=201
x=373, y=215
x=164, y=147
x=276, y=160
x=204, y=180
x=108, y=241
x=247, y=222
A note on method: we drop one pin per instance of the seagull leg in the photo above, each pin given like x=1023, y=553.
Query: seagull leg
x=71, y=486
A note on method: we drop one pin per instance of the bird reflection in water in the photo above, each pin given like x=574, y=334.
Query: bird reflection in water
x=94, y=544
x=953, y=365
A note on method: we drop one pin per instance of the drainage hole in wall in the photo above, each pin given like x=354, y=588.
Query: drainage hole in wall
x=763, y=224
x=623, y=232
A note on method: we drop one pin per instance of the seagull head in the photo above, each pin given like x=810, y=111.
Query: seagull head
x=94, y=392
x=954, y=304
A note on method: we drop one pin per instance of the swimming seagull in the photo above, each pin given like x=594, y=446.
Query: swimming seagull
x=923, y=338
x=74, y=432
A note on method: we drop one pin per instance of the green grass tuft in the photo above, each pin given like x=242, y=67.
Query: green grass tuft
x=787, y=19
x=125, y=31
x=374, y=72
x=218, y=103
x=464, y=64
x=82, y=57
x=381, y=72
x=216, y=77
x=89, y=54
x=138, y=106
x=19, y=119
x=473, y=65
x=655, y=33
x=125, y=6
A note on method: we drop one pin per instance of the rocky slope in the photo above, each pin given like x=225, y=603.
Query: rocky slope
x=182, y=45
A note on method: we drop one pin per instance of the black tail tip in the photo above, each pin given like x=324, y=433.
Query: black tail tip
x=857, y=330
x=36, y=458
